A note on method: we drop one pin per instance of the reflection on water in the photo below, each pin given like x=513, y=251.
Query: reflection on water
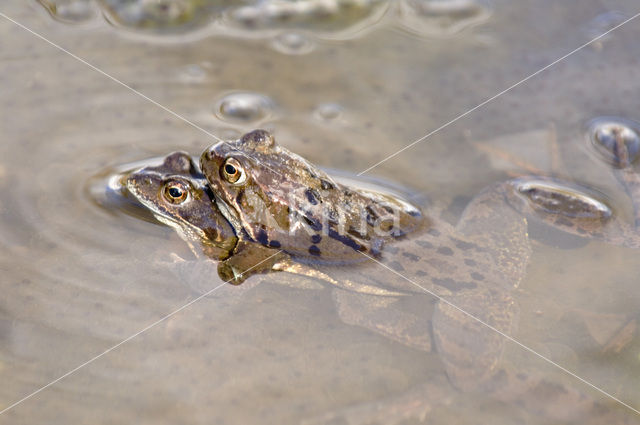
x=79, y=278
x=332, y=19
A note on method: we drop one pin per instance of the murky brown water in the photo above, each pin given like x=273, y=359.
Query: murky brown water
x=344, y=87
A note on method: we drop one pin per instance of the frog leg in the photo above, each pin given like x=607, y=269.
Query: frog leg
x=471, y=347
x=502, y=232
x=287, y=264
x=385, y=316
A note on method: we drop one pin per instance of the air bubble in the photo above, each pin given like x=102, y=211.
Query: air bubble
x=328, y=111
x=615, y=139
x=292, y=43
x=244, y=106
x=192, y=74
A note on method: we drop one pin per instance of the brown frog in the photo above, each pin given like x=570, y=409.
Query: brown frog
x=296, y=206
x=472, y=267
x=177, y=194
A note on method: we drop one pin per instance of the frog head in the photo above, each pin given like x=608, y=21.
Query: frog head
x=178, y=196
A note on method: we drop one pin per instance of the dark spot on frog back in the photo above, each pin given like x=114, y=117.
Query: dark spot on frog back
x=314, y=250
x=477, y=276
x=411, y=256
x=445, y=250
x=395, y=265
x=263, y=238
x=424, y=244
x=312, y=196
x=326, y=185
x=463, y=245
x=313, y=223
x=433, y=232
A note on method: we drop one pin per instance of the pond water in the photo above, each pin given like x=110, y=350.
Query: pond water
x=344, y=84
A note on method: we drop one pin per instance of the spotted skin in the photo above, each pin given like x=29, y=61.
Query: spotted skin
x=300, y=206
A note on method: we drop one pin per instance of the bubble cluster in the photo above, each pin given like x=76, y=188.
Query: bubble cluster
x=244, y=107
x=277, y=19
x=615, y=139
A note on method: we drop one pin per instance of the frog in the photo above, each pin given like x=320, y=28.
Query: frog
x=306, y=220
x=374, y=304
x=472, y=267
x=176, y=194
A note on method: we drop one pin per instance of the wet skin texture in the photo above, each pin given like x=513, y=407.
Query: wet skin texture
x=283, y=201
x=475, y=265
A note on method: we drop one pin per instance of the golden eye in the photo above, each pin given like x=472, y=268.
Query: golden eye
x=175, y=192
x=232, y=171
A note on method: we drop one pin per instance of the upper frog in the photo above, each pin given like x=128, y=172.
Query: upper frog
x=474, y=265
x=283, y=201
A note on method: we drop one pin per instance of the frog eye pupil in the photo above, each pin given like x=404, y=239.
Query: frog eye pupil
x=175, y=192
x=230, y=169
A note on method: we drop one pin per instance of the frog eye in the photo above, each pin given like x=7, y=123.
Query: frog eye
x=175, y=192
x=233, y=172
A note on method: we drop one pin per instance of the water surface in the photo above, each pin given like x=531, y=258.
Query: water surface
x=344, y=89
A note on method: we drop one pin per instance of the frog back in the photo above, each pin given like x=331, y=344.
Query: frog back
x=283, y=201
